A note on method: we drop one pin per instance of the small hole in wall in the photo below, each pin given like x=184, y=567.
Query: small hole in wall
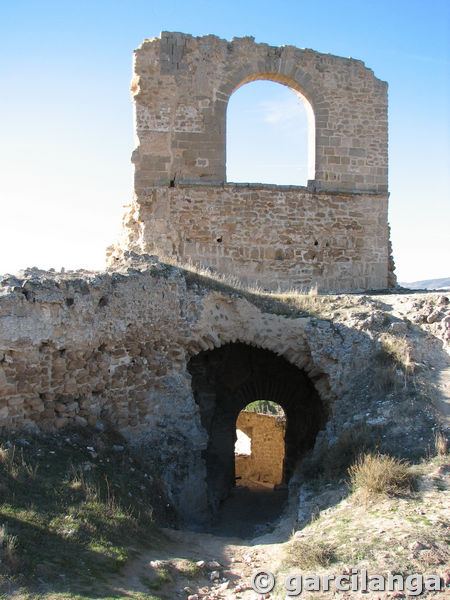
x=28, y=295
x=62, y=352
x=103, y=302
x=327, y=245
x=316, y=243
x=219, y=239
x=69, y=301
x=172, y=183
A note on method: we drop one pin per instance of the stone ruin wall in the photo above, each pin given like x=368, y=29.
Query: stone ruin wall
x=274, y=237
x=112, y=350
x=265, y=463
x=332, y=234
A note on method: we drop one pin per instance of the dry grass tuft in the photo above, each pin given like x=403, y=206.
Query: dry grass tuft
x=440, y=443
x=291, y=301
x=380, y=474
x=8, y=555
x=398, y=351
x=307, y=554
x=14, y=464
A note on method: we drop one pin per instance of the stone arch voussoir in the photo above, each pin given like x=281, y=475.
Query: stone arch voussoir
x=289, y=341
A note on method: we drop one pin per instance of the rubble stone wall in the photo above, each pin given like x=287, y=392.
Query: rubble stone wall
x=265, y=463
x=270, y=236
x=332, y=234
x=112, y=350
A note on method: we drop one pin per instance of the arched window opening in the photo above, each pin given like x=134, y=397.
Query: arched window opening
x=270, y=135
x=259, y=450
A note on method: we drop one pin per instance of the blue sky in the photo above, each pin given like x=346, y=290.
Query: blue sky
x=66, y=130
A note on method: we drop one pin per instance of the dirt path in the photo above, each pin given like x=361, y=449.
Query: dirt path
x=382, y=534
x=249, y=511
x=171, y=571
x=221, y=563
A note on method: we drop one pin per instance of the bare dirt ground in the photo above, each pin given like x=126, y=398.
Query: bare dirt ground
x=230, y=552
x=249, y=511
x=403, y=534
x=232, y=559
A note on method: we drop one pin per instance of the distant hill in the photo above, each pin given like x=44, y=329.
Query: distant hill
x=428, y=284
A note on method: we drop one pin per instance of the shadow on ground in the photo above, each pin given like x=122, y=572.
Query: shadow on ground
x=249, y=511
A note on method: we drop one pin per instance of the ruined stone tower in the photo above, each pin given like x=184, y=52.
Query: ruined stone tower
x=333, y=233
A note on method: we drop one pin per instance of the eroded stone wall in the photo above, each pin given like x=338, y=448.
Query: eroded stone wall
x=265, y=463
x=332, y=234
x=275, y=237
x=182, y=84
x=112, y=350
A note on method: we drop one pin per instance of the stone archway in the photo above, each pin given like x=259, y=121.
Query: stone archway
x=224, y=381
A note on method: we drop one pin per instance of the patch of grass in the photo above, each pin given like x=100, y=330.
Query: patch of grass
x=306, y=554
x=359, y=552
x=397, y=350
x=72, y=509
x=440, y=443
x=160, y=577
x=191, y=570
x=380, y=474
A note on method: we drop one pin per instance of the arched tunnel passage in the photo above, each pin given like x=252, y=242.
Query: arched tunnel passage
x=227, y=379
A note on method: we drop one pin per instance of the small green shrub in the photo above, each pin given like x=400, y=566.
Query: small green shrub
x=265, y=407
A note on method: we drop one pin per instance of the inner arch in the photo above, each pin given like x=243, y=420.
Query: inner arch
x=227, y=379
x=270, y=132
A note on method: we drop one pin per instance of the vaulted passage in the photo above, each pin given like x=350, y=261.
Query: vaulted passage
x=225, y=381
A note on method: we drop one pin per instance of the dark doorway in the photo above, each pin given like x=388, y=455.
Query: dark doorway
x=227, y=379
